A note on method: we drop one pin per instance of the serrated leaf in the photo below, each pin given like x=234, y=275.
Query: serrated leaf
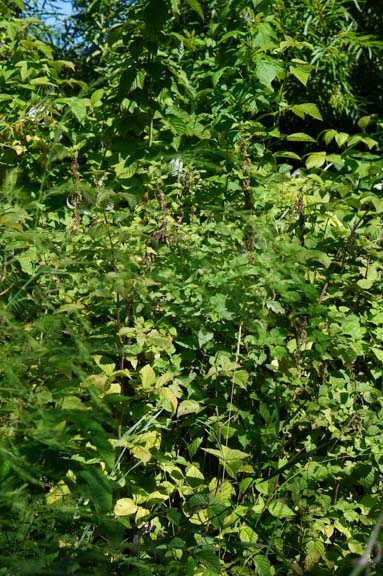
x=356, y=547
x=141, y=453
x=57, y=493
x=365, y=283
x=178, y=125
x=343, y=527
x=279, y=509
x=73, y=403
x=224, y=492
x=315, y=546
x=317, y=255
x=41, y=81
x=357, y=139
x=218, y=512
x=230, y=459
x=365, y=121
x=188, y=407
x=106, y=368
x=265, y=36
x=124, y=171
x=368, y=477
x=168, y=395
x=263, y=565
x=156, y=497
x=374, y=200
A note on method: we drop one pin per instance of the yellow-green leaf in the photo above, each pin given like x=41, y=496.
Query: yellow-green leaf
x=315, y=160
x=188, y=407
x=125, y=507
x=227, y=454
x=247, y=534
x=279, y=509
x=307, y=109
x=168, y=395
x=148, y=377
x=341, y=138
x=194, y=476
x=300, y=73
x=300, y=137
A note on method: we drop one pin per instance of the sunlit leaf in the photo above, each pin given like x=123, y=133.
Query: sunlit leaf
x=280, y=509
x=148, y=376
x=125, y=507
x=188, y=407
x=308, y=109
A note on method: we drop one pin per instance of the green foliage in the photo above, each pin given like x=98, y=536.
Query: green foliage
x=191, y=312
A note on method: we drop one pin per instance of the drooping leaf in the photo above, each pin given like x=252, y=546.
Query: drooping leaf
x=301, y=73
x=280, y=509
x=196, y=6
x=97, y=487
x=308, y=109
